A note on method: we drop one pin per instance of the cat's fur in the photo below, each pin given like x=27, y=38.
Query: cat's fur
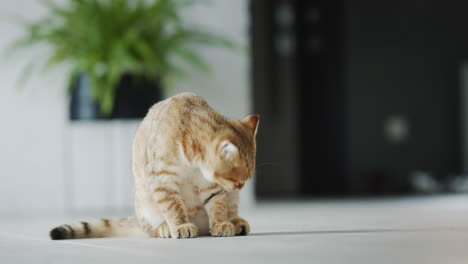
x=189, y=163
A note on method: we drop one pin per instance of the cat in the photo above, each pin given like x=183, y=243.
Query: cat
x=189, y=163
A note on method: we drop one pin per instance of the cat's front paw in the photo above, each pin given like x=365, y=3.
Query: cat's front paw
x=163, y=231
x=223, y=229
x=185, y=231
x=241, y=225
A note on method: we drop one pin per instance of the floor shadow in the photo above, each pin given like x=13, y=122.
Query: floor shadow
x=322, y=232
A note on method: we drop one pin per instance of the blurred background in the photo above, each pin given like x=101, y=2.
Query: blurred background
x=59, y=155
x=357, y=98
x=360, y=97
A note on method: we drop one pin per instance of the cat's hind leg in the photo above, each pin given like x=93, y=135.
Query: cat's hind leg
x=149, y=216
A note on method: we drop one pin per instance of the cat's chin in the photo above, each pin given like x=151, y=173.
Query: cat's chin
x=226, y=188
x=207, y=175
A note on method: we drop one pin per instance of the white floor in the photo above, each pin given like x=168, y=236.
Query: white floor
x=395, y=230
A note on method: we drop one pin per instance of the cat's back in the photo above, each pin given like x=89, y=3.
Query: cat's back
x=180, y=106
x=163, y=122
x=168, y=118
x=170, y=112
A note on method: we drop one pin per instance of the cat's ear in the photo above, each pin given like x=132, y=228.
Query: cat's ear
x=251, y=122
x=228, y=150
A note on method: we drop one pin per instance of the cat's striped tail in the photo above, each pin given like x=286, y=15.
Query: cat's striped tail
x=125, y=226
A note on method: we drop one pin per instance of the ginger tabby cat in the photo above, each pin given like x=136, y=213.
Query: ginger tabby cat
x=189, y=164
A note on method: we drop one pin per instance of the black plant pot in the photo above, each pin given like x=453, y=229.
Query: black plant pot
x=134, y=95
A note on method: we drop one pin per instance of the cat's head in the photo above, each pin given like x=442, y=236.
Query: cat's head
x=231, y=161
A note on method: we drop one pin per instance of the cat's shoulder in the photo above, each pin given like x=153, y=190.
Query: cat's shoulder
x=183, y=103
x=186, y=95
x=187, y=99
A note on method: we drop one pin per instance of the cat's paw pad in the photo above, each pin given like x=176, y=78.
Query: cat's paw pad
x=186, y=231
x=242, y=227
x=163, y=231
x=223, y=229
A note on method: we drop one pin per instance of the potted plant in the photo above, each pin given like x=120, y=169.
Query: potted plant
x=120, y=52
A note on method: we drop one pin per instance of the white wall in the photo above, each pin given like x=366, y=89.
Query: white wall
x=32, y=121
x=46, y=163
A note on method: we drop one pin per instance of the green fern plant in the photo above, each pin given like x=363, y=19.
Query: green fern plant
x=104, y=39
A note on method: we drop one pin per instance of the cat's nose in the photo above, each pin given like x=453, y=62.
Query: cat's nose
x=239, y=185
